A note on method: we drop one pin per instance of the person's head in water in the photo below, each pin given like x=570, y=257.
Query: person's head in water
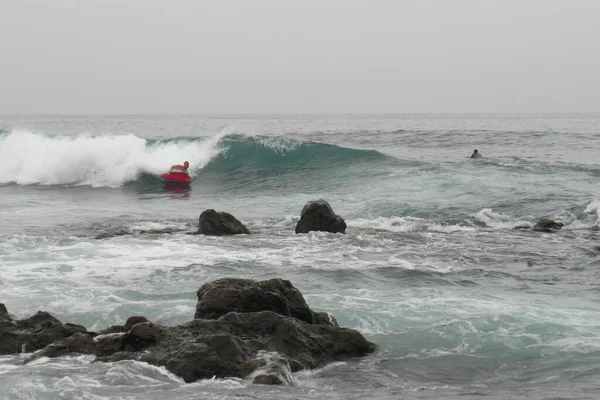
x=475, y=154
x=186, y=165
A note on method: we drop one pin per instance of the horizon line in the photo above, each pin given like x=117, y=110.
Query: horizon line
x=292, y=113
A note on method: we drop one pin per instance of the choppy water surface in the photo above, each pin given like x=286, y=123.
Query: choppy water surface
x=431, y=268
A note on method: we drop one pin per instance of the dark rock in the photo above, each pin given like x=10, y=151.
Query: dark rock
x=159, y=231
x=318, y=216
x=219, y=223
x=272, y=369
x=34, y=333
x=113, y=329
x=265, y=344
x=107, y=235
x=145, y=331
x=228, y=347
x=140, y=336
x=224, y=295
x=522, y=227
x=267, y=379
x=5, y=319
x=324, y=318
x=131, y=321
x=547, y=225
x=81, y=343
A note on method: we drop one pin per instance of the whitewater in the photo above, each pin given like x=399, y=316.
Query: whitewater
x=439, y=265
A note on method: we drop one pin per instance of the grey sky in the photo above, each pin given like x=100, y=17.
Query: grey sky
x=284, y=56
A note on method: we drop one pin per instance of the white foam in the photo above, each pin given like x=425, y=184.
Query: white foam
x=131, y=372
x=99, y=161
x=279, y=144
x=498, y=220
x=594, y=208
x=406, y=224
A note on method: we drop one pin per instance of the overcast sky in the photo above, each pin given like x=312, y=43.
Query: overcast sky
x=299, y=56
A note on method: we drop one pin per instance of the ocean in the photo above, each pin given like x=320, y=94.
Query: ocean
x=431, y=268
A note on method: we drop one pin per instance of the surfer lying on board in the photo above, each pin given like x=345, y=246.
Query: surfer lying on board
x=180, y=169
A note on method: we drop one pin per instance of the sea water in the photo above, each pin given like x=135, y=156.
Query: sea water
x=431, y=268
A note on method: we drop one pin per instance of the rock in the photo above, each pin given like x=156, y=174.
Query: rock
x=222, y=296
x=219, y=223
x=32, y=334
x=5, y=319
x=522, y=227
x=228, y=347
x=81, y=343
x=282, y=337
x=324, y=318
x=267, y=379
x=145, y=331
x=272, y=369
x=112, y=329
x=108, y=235
x=140, y=336
x=318, y=216
x=131, y=321
x=547, y=225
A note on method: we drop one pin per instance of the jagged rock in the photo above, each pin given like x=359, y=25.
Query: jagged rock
x=220, y=223
x=227, y=347
x=32, y=334
x=547, y=225
x=234, y=345
x=131, y=321
x=5, y=319
x=81, y=343
x=219, y=297
x=318, y=216
x=324, y=318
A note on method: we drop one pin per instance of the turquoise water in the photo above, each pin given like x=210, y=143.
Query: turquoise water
x=431, y=268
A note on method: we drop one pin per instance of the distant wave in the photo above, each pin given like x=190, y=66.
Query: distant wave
x=29, y=158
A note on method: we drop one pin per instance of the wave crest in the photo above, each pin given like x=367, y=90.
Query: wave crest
x=28, y=158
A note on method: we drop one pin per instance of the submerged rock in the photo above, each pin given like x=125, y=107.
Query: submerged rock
x=542, y=225
x=319, y=216
x=108, y=235
x=267, y=379
x=547, y=225
x=220, y=223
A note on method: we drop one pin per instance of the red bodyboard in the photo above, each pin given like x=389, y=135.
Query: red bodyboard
x=176, y=177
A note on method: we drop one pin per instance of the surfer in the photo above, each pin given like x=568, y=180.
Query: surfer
x=476, y=154
x=180, y=169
